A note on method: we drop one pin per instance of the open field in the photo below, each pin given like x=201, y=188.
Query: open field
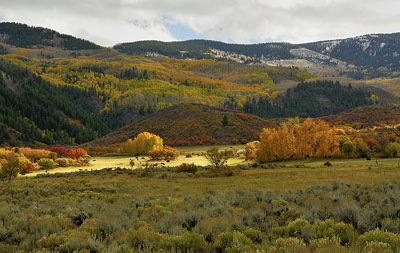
x=286, y=175
x=150, y=211
x=123, y=161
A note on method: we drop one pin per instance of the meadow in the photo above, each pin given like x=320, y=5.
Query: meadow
x=122, y=161
x=294, y=206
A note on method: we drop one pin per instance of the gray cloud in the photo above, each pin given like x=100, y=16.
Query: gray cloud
x=111, y=21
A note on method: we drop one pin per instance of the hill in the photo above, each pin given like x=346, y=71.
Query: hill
x=367, y=116
x=375, y=50
x=193, y=124
x=24, y=36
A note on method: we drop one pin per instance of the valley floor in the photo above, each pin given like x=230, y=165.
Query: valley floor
x=97, y=163
x=285, y=175
x=295, y=206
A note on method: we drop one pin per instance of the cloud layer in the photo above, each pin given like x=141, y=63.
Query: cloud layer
x=108, y=22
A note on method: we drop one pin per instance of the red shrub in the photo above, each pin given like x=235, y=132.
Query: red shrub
x=62, y=152
x=77, y=153
x=28, y=168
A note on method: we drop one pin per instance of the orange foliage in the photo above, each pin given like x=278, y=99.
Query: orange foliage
x=167, y=153
x=251, y=150
x=294, y=141
x=35, y=154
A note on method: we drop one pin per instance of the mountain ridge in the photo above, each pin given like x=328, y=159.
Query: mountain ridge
x=372, y=50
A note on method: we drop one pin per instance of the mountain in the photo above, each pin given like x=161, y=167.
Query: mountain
x=194, y=124
x=57, y=89
x=24, y=36
x=203, y=49
x=375, y=50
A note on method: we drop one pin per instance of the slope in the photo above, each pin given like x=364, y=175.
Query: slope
x=367, y=116
x=193, y=124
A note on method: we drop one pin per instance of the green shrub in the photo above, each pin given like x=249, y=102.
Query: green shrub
x=80, y=240
x=233, y=242
x=392, y=150
x=328, y=228
x=46, y=163
x=52, y=242
x=328, y=244
x=255, y=235
x=295, y=227
x=65, y=162
x=391, y=225
x=211, y=227
x=287, y=245
x=190, y=242
x=377, y=247
x=389, y=238
x=142, y=236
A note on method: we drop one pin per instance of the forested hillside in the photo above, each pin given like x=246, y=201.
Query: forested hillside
x=21, y=35
x=309, y=99
x=34, y=110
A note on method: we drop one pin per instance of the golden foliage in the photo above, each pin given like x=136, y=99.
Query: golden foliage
x=251, y=150
x=295, y=141
x=143, y=143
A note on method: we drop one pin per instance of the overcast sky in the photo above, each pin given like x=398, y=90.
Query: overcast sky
x=108, y=22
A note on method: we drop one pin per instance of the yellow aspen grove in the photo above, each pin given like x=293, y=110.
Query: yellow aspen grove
x=143, y=143
x=312, y=138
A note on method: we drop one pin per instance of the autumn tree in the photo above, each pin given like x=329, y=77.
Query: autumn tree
x=11, y=168
x=298, y=141
x=143, y=143
x=218, y=158
x=251, y=150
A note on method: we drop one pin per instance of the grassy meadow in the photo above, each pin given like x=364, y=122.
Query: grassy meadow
x=286, y=175
x=295, y=206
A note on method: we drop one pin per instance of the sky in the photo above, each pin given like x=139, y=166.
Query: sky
x=108, y=22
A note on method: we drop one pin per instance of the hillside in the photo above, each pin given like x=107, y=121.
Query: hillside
x=33, y=110
x=367, y=116
x=24, y=36
x=315, y=99
x=376, y=51
x=191, y=124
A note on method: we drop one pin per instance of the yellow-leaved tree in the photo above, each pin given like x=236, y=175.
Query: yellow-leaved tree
x=143, y=143
x=312, y=138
